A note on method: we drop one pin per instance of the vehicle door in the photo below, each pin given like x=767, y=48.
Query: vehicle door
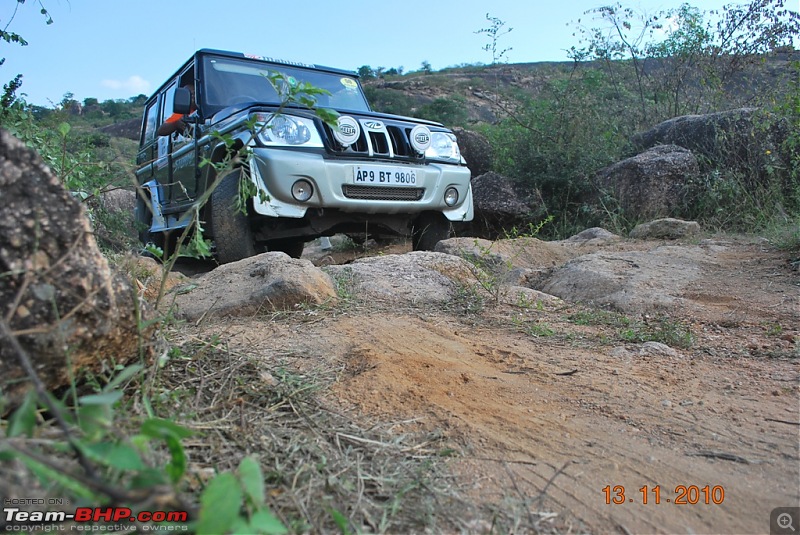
x=148, y=144
x=174, y=165
x=162, y=170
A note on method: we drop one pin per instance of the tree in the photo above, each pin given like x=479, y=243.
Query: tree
x=451, y=111
x=10, y=89
x=366, y=72
x=683, y=60
x=495, y=31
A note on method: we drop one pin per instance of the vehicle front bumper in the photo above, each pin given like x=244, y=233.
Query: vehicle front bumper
x=276, y=170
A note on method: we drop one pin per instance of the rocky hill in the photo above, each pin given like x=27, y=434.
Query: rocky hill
x=479, y=89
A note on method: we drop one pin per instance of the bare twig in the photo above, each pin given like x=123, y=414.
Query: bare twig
x=721, y=455
x=550, y=482
x=787, y=422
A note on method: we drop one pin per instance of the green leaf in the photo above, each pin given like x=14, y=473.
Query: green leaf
x=106, y=398
x=242, y=527
x=252, y=480
x=23, y=421
x=154, y=250
x=47, y=475
x=263, y=521
x=119, y=456
x=159, y=428
x=148, y=478
x=95, y=419
x=219, y=505
x=328, y=115
x=172, y=434
x=64, y=129
x=123, y=376
x=177, y=465
x=340, y=520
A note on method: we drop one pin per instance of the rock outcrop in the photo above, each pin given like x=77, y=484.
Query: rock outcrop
x=63, y=303
x=476, y=150
x=500, y=206
x=630, y=282
x=665, y=229
x=261, y=283
x=745, y=139
x=651, y=184
x=412, y=278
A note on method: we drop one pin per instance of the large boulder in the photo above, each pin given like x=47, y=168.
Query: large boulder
x=739, y=139
x=115, y=225
x=261, y=283
x=518, y=262
x=651, y=184
x=501, y=205
x=665, y=229
x=632, y=282
x=63, y=303
x=416, y=278
x=476, y=150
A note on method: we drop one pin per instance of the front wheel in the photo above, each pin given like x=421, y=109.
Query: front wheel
x=429, y=229
x=233, y=237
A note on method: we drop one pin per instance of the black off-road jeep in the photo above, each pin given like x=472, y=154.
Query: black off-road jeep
x=371, y=173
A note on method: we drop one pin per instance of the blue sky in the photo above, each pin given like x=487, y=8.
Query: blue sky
x=111, y=49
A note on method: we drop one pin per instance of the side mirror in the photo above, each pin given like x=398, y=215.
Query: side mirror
x=182, y=102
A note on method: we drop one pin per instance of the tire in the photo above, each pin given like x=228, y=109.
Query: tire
x=293, y=248
x=233, y=237
x=429, y=229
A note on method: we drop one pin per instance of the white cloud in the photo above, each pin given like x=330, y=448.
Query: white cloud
x=133, y=85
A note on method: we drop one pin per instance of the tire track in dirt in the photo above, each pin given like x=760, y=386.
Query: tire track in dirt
x=615, y=422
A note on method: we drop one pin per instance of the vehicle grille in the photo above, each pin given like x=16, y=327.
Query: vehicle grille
x=387, y=141
x=382, y=193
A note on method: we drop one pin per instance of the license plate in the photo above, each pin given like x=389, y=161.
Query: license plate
x=373, y=175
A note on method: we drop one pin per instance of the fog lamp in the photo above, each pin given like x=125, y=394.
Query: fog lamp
x=302, y=190
x=451, y=196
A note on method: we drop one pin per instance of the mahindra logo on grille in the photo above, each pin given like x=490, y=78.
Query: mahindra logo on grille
x=422, y=138
x=347, y=129
x=373, y=125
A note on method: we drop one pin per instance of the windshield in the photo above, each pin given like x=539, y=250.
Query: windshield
x=232, y=81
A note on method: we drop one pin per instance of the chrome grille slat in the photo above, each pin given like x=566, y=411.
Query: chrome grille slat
x=389, y=141
x=382, y=193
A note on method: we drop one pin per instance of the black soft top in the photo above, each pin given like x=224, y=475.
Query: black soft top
x=239, y=55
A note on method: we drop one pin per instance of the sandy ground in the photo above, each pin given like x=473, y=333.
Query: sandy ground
x=571, y=426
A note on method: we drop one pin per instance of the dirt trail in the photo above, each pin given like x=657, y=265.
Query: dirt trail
x=543, y=411
x=631, y=421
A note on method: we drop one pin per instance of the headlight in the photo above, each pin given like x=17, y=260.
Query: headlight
x=287, y=130
x=443, y=147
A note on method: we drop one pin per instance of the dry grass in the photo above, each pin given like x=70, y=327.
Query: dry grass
x=317, y=461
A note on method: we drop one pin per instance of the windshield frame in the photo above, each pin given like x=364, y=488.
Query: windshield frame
x=228, y=81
